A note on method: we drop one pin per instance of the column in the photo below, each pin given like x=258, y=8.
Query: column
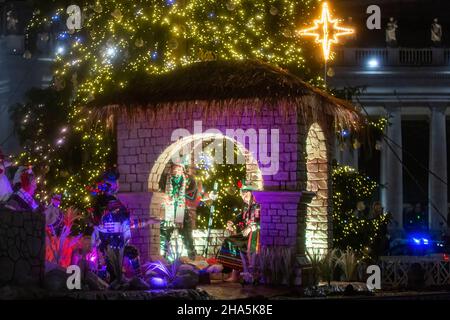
x=437, y=187
x=393, y=173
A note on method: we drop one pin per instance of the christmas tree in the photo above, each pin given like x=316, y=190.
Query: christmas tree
x=353, y=225
x=121, y=37
x=225, y=180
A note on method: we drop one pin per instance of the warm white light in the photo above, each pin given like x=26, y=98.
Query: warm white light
x=326, y=31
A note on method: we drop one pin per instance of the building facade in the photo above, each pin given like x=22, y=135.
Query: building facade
x=407, y=86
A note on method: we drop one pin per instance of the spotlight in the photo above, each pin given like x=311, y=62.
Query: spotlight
x=373, y=63
x=60, y=50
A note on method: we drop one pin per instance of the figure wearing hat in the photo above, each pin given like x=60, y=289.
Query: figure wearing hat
x=5, y=186
x=112, y=224
x=23, y=198
x=245, y=234
x=54, y=216
x=181, y=192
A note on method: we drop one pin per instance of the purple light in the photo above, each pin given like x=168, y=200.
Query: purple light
x=158, y=283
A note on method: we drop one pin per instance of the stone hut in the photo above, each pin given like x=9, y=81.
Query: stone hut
x=301, y=120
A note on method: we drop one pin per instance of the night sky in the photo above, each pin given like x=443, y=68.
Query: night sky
x=414, y=18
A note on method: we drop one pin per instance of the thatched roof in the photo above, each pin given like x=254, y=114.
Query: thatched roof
x=226, y=82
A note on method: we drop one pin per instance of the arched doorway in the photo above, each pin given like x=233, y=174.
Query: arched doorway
x=161, y=168
x=317, y=217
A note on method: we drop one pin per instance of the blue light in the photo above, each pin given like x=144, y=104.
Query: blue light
x=419, y=240
x=63, y=35
x=345, y=133
x=55, y=17
x=154, y=55
x=170, y=2
x=373, y=63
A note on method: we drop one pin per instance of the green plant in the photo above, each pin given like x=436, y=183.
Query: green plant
x=328, y=264
x=323, y=264
x=115, y=258
x=167, y=272
x=315, y=258
x=348, y=262
x=274, y=265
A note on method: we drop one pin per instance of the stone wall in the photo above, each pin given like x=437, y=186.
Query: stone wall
x=22, y=248
x=142, y=140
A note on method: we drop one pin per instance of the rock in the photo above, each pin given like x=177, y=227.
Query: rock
x=94, y=283
x=56, y=280
x=21, y=293
x=49, y=266
x=22, y=248
x=121, y=285
x=349, y=290
x=186, y=280
x=6, y=270
x=186, y=268
x=216, y=268
x=138, y=284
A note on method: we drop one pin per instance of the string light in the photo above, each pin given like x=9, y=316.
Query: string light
x=109, y=49
x=359, y=233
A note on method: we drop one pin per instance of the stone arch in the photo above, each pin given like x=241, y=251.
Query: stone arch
x=253, y=176
x=317, y=165
x=253, y=173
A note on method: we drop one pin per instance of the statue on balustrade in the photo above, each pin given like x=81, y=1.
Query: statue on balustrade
x=391, y=32
x=436, y=33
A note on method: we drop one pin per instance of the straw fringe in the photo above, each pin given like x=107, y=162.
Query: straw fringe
x=223, y=90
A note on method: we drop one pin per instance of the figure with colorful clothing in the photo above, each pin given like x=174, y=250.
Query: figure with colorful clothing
x=245, y=238
x=113, y=225
x=54, y=216
x=23, y=198
x=177, y=219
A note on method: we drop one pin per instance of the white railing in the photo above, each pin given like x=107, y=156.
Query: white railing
x=396, y=269
x=392, y=56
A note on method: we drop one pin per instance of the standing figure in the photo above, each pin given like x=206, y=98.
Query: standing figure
x=176, y=220
x=23, y=198
x=5, y=186
x=194, y=195
x=391, y=32
x=112, y=225
x=245, y=235
x=436, y=33
x=54, y=216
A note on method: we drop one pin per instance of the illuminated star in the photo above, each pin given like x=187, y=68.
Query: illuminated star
x=326, y=31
